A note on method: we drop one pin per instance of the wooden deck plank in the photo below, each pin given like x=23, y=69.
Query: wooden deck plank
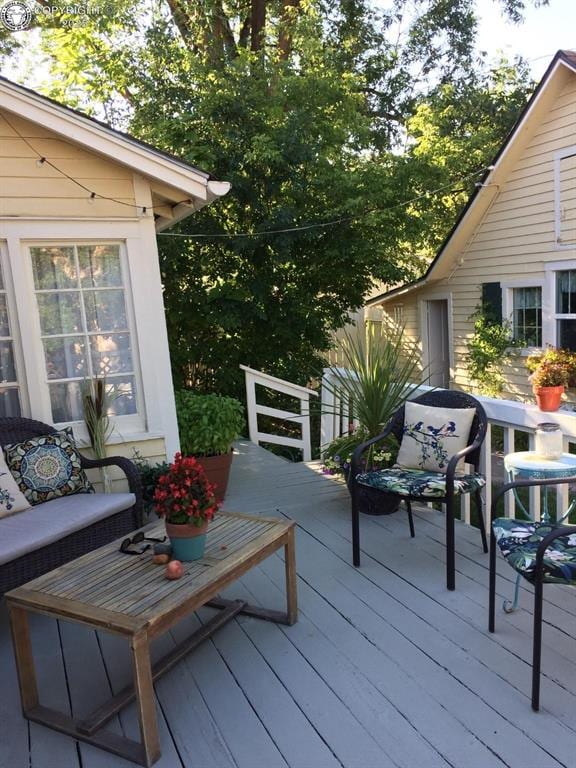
x=279, y=713
x=331, y=642
x=48, y=748
x=116, y=656
x=243, y=731
x=13, y=727
x=485, y=701
x=387, y=726
x=89, y=687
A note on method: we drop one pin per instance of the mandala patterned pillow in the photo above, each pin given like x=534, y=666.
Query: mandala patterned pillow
x=47, y=467
x=12, y=499
x=431, y=436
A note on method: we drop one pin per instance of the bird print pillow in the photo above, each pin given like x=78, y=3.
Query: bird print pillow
x=431, y=436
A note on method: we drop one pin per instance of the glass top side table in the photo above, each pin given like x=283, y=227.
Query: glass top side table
x=525, y=465
x=528, y=465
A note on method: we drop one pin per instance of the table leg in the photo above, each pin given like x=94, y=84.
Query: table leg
x=291, y=589
x=144, y=688
x=24, y=658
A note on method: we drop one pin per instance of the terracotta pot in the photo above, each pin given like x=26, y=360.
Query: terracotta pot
x=188, y=541
x=217, y=469
x=548, y=398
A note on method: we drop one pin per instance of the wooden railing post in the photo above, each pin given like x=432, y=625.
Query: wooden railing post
x=302, y=394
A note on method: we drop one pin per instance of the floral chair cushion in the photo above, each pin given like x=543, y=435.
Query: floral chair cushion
x=518, y=541
x=431, y=436
x=47, y=467
x=416, y=483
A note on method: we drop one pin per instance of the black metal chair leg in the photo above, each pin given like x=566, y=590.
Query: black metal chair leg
x=450, y=546
x=355, y=530
x=537, y=648
x=410, y=518
x=481, y=520
x=492, y=587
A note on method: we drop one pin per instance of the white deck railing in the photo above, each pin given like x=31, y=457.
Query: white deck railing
x=255, y=409
x=512, y=416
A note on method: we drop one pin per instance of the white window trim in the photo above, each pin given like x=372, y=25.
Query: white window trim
x=551, y=336
x=558, y=157
x=508, y=306
x=14, y=329
x=39, y=391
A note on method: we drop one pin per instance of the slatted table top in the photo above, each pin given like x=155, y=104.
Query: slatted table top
x=124, y=593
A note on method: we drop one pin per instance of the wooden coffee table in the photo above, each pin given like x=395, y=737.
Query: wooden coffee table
x=129, y=596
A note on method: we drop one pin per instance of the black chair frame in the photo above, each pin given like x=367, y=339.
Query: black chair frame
x=561, y=531
x=438, y=398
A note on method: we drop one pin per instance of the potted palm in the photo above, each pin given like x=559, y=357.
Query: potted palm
x=380, y=372
x=208, y=425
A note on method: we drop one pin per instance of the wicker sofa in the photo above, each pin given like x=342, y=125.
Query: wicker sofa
x=47, y=535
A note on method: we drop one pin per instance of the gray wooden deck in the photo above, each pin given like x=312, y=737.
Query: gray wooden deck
x=384, y=668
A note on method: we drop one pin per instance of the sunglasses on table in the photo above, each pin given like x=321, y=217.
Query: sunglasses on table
x=137, y=539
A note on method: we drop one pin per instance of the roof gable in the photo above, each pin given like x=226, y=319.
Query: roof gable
x=479, y=202
x=189, y=184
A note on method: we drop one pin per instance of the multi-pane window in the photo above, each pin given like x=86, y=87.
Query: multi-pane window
x=84, y=325
x=9, y=390
x=566, y=309
x=527, y=315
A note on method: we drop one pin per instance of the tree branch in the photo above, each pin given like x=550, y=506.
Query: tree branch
x=181, y=19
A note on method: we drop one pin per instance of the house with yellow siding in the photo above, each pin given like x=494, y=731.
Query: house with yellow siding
x=513, y=247
x=80, y=285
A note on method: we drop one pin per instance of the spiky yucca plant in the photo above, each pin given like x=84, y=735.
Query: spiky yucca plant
x=96, y=403
x=380, y=372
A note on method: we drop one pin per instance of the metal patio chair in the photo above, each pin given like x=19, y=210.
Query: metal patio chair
x=542, y=553
x=420, y=485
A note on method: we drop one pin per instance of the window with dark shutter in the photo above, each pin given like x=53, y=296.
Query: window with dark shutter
x=492, y=301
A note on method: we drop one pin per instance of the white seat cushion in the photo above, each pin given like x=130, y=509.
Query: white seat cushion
x=46, y=523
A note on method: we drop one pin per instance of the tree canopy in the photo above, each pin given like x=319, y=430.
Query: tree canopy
x=336, y=122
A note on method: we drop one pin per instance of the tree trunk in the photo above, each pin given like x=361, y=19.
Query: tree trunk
x=257, y=23
x=284, y=37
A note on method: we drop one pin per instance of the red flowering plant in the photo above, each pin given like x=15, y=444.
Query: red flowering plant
x=184, y=496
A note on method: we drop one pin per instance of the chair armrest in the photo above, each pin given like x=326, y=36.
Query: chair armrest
x=132, y=475
x=529, y=483
x=355, y=465
x=453, y=463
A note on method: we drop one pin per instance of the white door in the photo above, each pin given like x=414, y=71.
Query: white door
x=438, y=342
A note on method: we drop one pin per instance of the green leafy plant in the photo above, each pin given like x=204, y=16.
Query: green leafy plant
x=338, y=455
x=208, y=424
x=547, y=366
x=149, y=476
x=381, y=372
x=549, y=374
x=488, y=348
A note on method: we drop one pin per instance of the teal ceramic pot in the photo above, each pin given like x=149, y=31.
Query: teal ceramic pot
x=187, y=541
x=188, y=549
